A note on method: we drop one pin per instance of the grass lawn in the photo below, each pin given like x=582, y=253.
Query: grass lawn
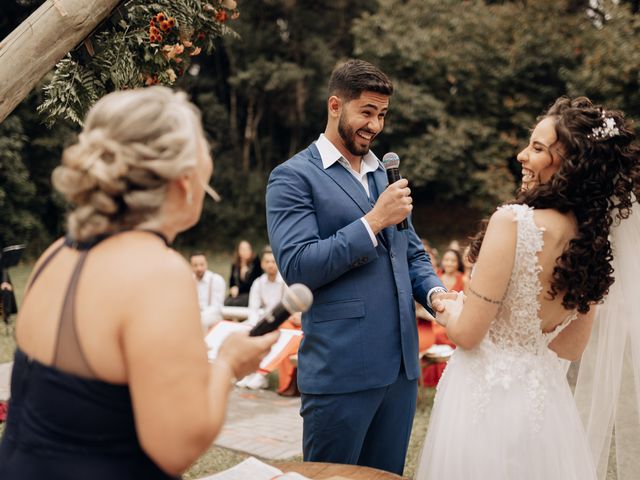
x=216, y=458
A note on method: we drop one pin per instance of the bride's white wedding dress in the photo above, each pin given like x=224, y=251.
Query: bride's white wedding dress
x=504, y=410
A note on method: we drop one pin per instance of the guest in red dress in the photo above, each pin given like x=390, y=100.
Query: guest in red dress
x=451, y=273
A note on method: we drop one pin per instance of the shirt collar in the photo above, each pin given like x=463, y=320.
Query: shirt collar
x=330, y=155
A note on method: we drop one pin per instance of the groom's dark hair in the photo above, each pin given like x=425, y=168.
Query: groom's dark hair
x=351, y=78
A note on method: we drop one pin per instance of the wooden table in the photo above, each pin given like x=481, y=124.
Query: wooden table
x=322, y=471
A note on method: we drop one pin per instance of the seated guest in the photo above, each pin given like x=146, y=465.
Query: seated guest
x=8, y=305
x=211, y=290
x=287, y=372
x=451, y=271
x=244, y=270
x=266, y=292
x=112, y=371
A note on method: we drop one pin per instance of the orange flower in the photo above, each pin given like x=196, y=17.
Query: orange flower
x=154, y=30
x=151, y=80
x=159, y=38
x=172, y=22
x=172, y=51
x=164, y=26
x=221, y=16
x=160, y=17
x=195, y=51
x=152, y=23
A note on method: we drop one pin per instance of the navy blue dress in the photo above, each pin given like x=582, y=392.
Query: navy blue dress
x=67, y=426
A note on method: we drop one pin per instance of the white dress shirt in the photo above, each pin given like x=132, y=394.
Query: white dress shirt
x=211, y=292
x=264, y=295
x=330, y=155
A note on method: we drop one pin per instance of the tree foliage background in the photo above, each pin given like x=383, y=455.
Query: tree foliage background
x=471, y=77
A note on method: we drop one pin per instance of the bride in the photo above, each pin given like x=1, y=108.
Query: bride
x=504, y=409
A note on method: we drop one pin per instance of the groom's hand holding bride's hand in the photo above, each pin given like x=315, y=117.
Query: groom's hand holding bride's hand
x=438, y=299
x=448, y=307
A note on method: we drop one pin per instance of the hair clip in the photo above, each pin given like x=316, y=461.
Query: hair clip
x=607, y=130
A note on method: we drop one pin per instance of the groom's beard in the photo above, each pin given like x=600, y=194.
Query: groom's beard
x=348, y=135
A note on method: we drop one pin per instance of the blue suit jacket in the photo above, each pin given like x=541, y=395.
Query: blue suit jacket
x=362, y=323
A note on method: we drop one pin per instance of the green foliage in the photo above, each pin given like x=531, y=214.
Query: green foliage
x=72, y=90
x=472, y=78
x=17, y=190
x=610, y=70
x=142, y=44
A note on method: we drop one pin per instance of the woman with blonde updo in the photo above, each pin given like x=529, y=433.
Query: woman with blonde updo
x=111, y=378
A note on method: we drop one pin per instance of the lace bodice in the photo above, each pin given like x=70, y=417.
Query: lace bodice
x=517, y=323
x=515, y=349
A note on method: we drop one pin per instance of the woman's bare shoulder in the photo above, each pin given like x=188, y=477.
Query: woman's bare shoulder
x=556, y=223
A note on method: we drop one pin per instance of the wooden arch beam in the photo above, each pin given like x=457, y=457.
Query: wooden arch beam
x=29, y=52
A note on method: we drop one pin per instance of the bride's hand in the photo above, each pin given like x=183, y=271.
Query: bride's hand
x=452, y=309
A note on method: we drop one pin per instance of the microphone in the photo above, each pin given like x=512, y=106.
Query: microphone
x=297, y=298
x=391, y=163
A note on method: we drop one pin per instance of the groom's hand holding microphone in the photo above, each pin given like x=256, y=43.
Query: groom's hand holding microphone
x=394, y=204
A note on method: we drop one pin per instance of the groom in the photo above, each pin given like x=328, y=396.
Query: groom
x=332, y=225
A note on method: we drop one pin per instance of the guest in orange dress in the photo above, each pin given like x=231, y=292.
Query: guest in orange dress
x=451, y=273
x=287, y=384
x=426, y=337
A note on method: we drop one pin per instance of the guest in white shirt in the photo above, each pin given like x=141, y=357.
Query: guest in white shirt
x=268, y=289
x=266, y=292
x=211, y=290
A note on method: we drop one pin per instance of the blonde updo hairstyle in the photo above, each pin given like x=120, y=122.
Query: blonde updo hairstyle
x=133, y=143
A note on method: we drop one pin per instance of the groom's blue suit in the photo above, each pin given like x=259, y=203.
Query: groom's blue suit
x=358, y=361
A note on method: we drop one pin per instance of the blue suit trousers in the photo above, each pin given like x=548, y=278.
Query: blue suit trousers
x=369, y=428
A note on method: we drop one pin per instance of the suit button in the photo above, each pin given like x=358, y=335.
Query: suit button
x=392, y=255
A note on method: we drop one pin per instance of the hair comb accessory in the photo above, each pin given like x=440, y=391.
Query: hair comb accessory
x=608, y=129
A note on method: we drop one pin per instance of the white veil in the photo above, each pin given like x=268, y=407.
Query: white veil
x=608, y=388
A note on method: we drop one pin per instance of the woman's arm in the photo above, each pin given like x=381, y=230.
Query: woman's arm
x=179, y=399
x=467, y=326
x=571, y=342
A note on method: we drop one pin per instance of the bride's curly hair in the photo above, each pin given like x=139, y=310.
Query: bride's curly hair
x=598, y=180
